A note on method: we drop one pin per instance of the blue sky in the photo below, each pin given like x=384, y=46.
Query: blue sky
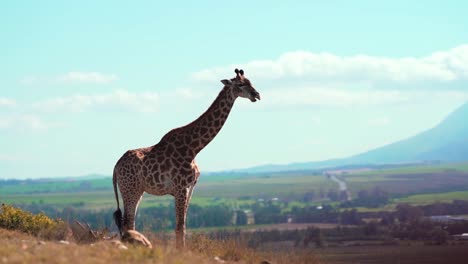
x=82, y=82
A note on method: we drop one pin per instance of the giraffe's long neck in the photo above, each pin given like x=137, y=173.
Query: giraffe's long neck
x=193, y=137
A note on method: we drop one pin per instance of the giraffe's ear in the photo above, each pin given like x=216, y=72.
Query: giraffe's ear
x=226, y=82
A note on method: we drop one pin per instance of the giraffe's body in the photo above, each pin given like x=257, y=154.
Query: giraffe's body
x=169, y=167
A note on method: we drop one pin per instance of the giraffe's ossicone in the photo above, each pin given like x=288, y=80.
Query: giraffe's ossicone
x=169, y=166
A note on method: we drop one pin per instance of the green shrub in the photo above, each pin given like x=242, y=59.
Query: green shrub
x=35, y=224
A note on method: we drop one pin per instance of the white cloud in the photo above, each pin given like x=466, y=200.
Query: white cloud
x=22, y=122
x=445, y=66
x=331, y=96
x=73, y=77
x=117, y=100
x=306, y=78
x=316, y=120
x=87, y=77
x=9, y=158
x=379, y=121
x=189, y=93
x=32, y=79
x=6, y=102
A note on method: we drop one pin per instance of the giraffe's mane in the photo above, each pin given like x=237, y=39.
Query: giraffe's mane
x=209, y=110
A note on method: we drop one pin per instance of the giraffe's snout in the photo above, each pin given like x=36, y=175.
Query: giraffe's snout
x=255, y=95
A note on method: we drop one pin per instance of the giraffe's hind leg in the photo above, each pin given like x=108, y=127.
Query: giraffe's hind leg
x=131, y=200
x=181, y=206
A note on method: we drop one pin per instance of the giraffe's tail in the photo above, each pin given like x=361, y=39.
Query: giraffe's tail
x=118, y=213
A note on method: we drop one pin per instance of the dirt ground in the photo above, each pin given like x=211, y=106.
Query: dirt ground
x=401, y=254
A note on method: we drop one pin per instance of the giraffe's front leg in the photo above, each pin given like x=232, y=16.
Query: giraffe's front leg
x=181, y=205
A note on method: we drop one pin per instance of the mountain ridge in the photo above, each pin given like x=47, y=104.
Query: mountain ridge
x=445, y=142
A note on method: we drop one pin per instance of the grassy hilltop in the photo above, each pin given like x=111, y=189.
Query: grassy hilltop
x=33, y=238
x=19, y=247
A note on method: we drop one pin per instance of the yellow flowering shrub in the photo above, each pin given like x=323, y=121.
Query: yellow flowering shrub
x=35, y=224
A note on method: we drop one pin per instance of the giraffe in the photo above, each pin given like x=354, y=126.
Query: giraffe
x=169, y=166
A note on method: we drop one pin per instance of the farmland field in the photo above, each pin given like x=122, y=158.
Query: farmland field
x=98, y=193
x=416, y=184
x=421, y=199
x=407, y=180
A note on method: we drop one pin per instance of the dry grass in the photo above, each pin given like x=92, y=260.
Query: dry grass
x=17, y=247
x=21, y=242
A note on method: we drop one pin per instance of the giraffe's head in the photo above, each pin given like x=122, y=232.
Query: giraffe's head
x=242, y=86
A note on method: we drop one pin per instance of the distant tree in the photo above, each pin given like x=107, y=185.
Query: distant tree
x=85, y=185
x=458, y=228
x=343, y=195
x=322, y=194
x=308, y=196
x=387, y=219
x=371, y=228
x=268, y=213
x=333, y=195
x=368, y=198
x=363, y=194
x=241, y=217
x=350, y=217
x=438, y=236
x=408, y=213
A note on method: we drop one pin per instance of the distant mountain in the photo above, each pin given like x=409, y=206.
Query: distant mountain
x=447, y=142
